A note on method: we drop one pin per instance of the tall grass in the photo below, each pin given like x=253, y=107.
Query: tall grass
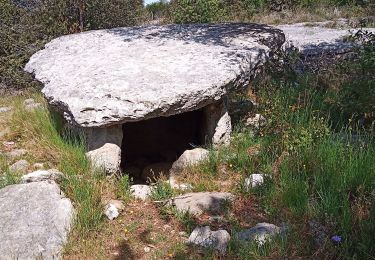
x=42, y=132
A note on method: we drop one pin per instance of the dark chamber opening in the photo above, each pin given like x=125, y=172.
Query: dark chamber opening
x=159, y=140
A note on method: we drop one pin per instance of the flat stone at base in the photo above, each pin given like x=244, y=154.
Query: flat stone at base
x=203, y=236
x=199, y=202
x=35, y=220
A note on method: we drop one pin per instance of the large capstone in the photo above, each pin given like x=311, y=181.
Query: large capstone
x=105, y=77
x=173, y=78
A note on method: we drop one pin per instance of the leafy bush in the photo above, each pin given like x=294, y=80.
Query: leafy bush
x=198, y=11
x=24, y=29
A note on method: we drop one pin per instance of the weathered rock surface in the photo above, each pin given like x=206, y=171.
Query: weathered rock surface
x=141, y=192
x=106, y=77
x=253, y=181
x=200, y=202
x=42, y=175
x=113, y=209
x=35, y=219
x=204, y=237
x=261, y=233
x=317, y=39
x=106, y=158
x=19, y=166
x=187, y=159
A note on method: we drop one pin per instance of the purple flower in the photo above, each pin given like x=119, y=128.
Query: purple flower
x=336, y=239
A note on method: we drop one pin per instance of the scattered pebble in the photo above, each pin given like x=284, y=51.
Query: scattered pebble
x=253, y=181
x=141, y=192
x=5, y=109
x=113, y=209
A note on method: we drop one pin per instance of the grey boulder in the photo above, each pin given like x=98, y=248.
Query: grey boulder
x=204, y=237
x=260, y=234
x=19, y=166
x=187, y=159
x=107, y=77
x=35, y=220
x=200, y=202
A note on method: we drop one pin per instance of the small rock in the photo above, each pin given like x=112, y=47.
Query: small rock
x=256, y=121
x=113, y=209
x=9, y=144
x=28, y=101
x=42, y=175
x=200, y=202
x=16, y=153
x=30, y=104
x=107, y=158
x=147, y=249
x=253, y=181
x=141, y=192
x=261, y=233
x=185, y=186
x=154, y=171
x=204, y=237
x=5, y=109
x=19, y=166
x=216, y=218
x=38, y=166
x=187, y=159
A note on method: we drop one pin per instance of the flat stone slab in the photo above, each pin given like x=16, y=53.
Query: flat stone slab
x=106, y=77
x=197, y=203
x=317, y=38
x=35, y=219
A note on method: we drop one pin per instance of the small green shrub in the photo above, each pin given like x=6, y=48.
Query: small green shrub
x=162, y=190
x=123, y=187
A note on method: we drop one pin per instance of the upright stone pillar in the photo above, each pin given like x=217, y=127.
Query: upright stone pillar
x=104, y=146
x=217, y=124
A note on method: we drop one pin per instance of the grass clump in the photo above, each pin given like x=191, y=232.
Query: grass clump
x=43, y=134
x=162, y=190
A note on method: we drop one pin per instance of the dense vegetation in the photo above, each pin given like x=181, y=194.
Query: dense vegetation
x=316, y=149
x=25, y=26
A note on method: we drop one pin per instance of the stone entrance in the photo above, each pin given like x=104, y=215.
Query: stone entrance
x=127, y=86
x=133, y=146
x=159, y=140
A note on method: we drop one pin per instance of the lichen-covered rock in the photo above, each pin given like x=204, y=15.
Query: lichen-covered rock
x=107, y=77
x=35, y=220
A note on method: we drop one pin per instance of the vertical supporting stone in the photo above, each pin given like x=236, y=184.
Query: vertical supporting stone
x=217, y=124
x=104, y=146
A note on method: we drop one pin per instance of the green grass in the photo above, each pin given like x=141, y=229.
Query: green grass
x=43, y=134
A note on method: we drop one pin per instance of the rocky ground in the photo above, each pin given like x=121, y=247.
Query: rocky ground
x=186, y=216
